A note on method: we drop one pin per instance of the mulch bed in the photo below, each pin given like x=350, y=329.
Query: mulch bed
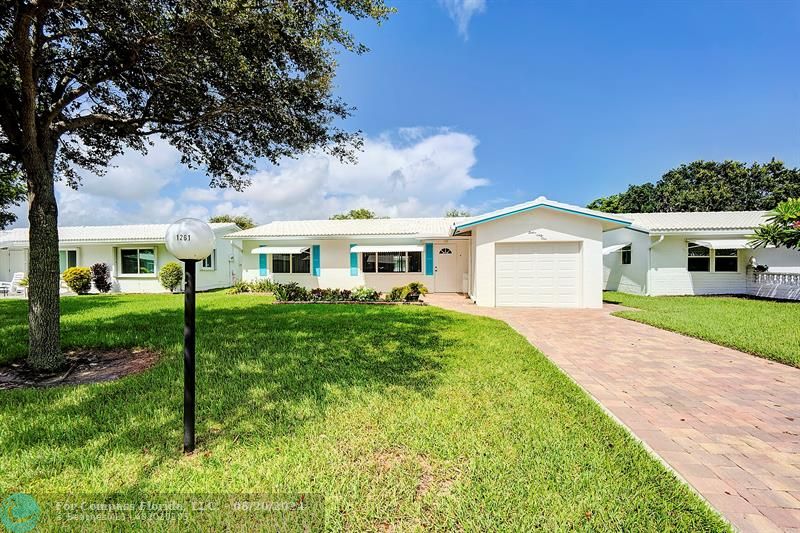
x=83, y=366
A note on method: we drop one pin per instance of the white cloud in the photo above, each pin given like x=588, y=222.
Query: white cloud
x=392, y=177
x=411, y=172
x=462, y=11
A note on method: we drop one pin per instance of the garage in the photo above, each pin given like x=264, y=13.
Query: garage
x=538, y=274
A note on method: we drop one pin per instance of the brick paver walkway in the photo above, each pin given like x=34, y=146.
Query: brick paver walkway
x=727, y=422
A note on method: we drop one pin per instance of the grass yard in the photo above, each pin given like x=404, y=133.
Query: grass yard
x=765, y=328
x=401, y=418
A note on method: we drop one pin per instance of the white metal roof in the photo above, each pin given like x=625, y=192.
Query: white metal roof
x=699, y=221
x=606, y=218
x=104, y=234
x=400, y=227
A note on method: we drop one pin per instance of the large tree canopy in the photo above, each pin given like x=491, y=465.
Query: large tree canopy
x=243, y=221
x=361, y=213
x=709, y=186
x=226, y=82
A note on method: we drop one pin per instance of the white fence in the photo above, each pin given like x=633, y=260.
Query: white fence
x=785, y=286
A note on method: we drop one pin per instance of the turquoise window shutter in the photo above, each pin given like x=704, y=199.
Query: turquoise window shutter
x=353, y=262
x=262, y=264
x=315, y=259
x=429, y=259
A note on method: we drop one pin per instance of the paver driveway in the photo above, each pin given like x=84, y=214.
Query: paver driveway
x=727, y=422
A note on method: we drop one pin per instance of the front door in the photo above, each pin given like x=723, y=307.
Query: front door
x=447, y=277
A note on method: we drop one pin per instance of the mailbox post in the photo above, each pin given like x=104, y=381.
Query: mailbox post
x=190, y=240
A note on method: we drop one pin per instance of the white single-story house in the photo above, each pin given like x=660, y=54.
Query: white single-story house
x=135, y=254
x=541, y=253
x=695, y=254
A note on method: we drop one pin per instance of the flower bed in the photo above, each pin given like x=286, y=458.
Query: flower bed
x=296, y=293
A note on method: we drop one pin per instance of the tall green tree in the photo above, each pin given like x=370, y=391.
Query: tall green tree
x=243, y=221
x=455, y=213
x=225, y=82
x=12, y=193
x=355, y=214
x=709, y=186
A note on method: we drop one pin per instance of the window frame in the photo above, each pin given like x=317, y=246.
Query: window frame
x=138, y=262
x=291, y=263
x=213, y=257
x=67, y=251
x=406, y=263
x=708, y=256
x=625, y=255
x=735, y=256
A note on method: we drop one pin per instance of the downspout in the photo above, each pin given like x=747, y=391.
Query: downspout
x=650, y=263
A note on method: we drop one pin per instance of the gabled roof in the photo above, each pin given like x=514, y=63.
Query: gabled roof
x=542, y=202
x=104, y=234
x=700, y=221
x=388, y=227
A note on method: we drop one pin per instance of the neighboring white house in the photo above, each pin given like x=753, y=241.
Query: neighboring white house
x=540, y=253
x=135, y=254
x=697, y=253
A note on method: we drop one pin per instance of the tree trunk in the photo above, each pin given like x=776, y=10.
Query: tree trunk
x=43, y=271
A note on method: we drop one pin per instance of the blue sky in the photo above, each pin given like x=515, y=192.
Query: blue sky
x=473, y=104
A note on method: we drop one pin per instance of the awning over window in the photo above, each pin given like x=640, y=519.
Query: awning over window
x=387, y=248
x=279, y=250
x=737, y=244
x=615, y=248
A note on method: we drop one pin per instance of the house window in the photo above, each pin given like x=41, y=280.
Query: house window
x=445, y=251
x=726, y=260
x=625, y=255
x=699, y=259
x=391, y=262
x=67, y=259
x=292, y=263
x=210, y=262
x=138, y=260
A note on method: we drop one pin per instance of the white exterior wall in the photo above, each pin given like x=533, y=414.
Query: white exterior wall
x=5, y=265
x=669, y=274
x=334, y=266
x=540, y=225
x=778, y=259
x=626, y=278
x=227, y=269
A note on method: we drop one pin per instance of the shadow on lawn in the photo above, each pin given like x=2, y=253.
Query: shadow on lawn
x=263, y=372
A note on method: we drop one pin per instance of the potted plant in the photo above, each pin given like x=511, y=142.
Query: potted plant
x=414, y=290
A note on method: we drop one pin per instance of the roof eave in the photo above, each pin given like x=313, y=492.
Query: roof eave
x=620, y=222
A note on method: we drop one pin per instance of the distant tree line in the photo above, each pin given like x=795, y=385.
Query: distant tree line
x=709, y=186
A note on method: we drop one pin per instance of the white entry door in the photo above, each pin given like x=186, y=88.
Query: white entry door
x=541, y=274
x=447, y=276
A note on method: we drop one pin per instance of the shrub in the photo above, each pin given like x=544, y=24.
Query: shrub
x=414, y=290
x=290, y=292
x=407, y=293
x=78, y=279
x=396, y=294
x=239, y=287
x=101, y=277
x=170, y=276
x=262, y=285
x=365, y=294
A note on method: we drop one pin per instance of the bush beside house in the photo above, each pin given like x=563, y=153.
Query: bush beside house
x=101, y=276
x=170, y=276
x=78, y=279
x=294, y=292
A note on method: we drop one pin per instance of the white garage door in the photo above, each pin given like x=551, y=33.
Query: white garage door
x=537, y=274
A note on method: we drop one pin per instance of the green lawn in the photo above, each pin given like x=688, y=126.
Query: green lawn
x=769, y=329
x=403, y=418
